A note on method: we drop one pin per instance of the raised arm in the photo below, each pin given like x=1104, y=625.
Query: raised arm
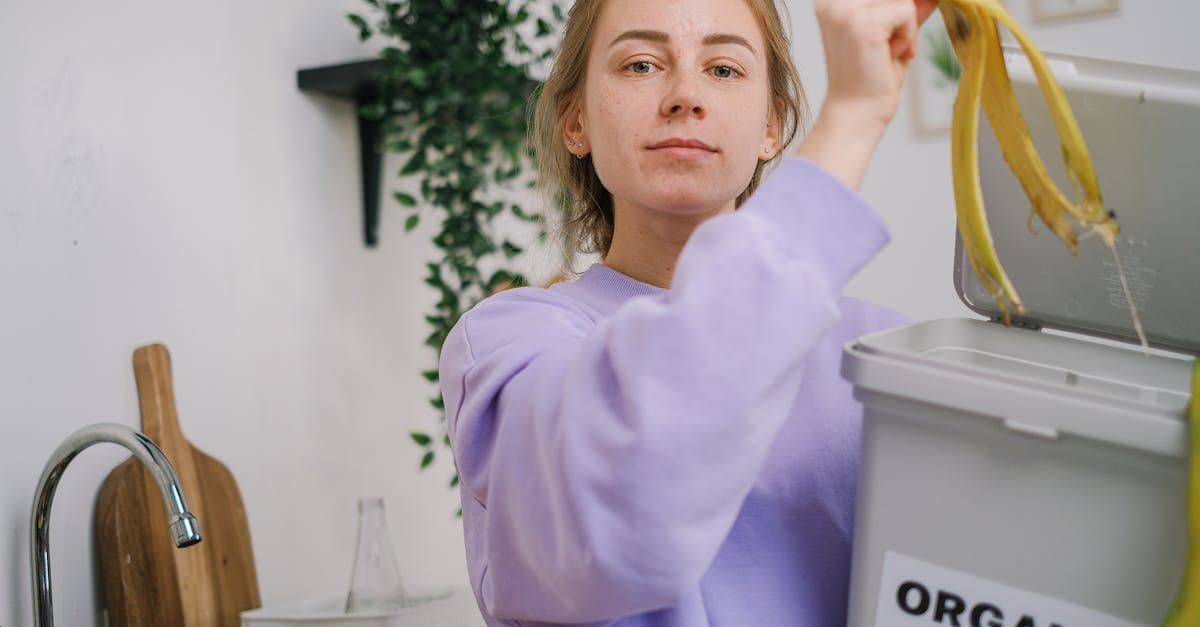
x=603, y=465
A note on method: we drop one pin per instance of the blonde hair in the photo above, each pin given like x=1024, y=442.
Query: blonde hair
x=572, y=185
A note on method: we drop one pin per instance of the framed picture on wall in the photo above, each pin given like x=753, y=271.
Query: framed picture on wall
x=1058, y=9
x=934, y=79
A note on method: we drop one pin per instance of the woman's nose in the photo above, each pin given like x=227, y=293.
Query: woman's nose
x=683, y=98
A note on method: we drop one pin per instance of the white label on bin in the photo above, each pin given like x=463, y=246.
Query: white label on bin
x=913, y=592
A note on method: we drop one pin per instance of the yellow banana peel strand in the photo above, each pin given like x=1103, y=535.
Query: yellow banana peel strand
x=1185, y=611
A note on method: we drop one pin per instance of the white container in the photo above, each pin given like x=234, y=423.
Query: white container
x=1016, y=478
x=435, y=607
x=1022, y=473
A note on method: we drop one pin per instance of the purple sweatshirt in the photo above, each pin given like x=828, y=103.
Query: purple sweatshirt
x=630, y=455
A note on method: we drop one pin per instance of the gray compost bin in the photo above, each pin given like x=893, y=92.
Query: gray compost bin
x=1031, y=477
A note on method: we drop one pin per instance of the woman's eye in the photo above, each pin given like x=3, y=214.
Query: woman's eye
x=640, y=67
x=724, y=71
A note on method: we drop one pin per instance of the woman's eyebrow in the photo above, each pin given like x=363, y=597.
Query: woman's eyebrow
x=647, y=35
x=658, y=36
x=724, y=38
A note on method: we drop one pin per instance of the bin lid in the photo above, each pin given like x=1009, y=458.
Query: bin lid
x=1142, y=128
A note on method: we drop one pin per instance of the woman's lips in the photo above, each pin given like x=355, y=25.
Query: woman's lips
x=682, y=148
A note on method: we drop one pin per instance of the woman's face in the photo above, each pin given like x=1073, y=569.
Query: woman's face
x=675, y=105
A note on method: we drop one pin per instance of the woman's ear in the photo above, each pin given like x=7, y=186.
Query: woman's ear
x=574, y=129
x=772, y=136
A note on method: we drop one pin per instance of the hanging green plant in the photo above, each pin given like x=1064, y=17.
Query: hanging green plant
x=454, y=97
x=942, y=57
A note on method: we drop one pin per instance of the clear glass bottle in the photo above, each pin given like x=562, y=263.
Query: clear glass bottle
x=375, y=584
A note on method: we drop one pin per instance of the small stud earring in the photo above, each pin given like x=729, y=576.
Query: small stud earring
x=767, y=150
x=768, y=124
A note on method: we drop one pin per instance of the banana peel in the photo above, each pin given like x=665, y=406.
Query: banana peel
x=972, y=27
x=1185, y=611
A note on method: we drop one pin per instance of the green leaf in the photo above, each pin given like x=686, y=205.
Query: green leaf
x=419, y=79
x=454, y=481
x=522, y=215
x=399, y=145
x=364, y=30
x=391, y=53
x=373, y=111
x=411, y=222
x=941, y=56
x=426, y=460
x=420, y=438
x=430, y=375
x=499, y=278
x=414, y=164
x=404, y=199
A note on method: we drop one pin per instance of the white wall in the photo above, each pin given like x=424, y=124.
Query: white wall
x=162, y=179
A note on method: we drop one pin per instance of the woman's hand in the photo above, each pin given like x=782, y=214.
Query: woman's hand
x=868, y=47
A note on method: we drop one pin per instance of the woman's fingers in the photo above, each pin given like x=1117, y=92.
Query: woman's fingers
x=868, y=48
x=904, y=25
x=924, y=9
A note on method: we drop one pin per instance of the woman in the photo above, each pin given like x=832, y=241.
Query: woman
x=666, y=440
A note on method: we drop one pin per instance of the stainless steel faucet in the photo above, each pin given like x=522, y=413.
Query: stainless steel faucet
x=184, y=528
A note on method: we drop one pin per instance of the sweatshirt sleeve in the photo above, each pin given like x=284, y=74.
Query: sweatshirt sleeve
x=605, y=464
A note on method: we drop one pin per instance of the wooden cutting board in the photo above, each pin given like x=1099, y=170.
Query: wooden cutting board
x=147, y=581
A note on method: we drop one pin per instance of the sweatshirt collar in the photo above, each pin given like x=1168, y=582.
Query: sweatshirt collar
x=604, y=280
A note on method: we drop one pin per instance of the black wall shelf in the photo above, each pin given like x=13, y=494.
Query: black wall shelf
x=357, y=81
